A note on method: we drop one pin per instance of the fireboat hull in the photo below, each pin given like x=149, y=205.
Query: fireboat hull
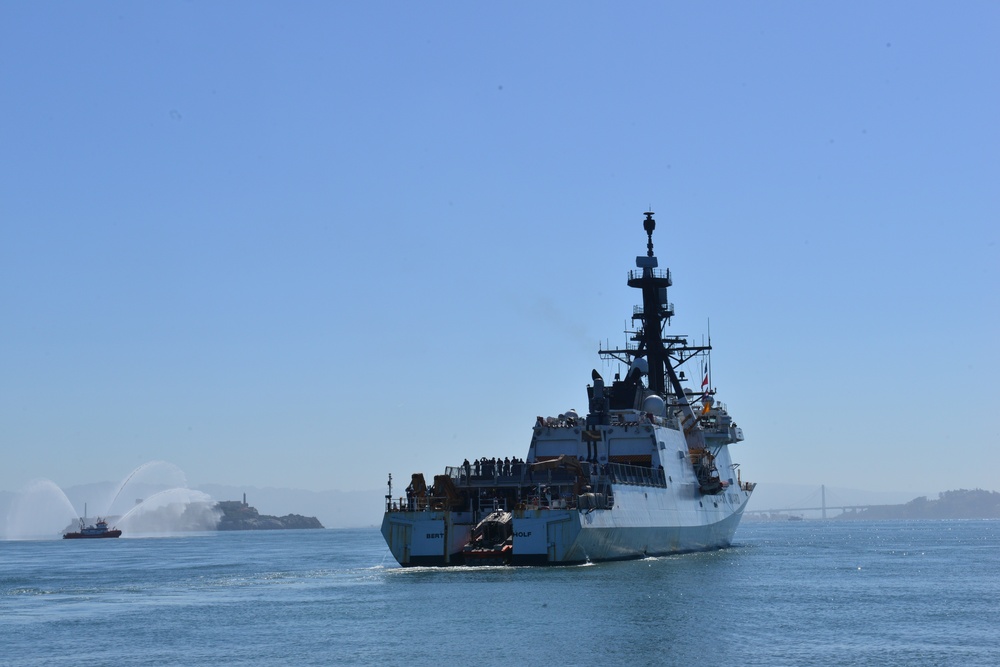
x=82, y=536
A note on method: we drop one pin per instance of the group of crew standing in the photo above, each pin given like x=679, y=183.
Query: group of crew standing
x=489, y=468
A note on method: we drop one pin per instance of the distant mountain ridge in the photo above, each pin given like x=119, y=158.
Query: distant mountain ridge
x=959, y=504
x=783, y=495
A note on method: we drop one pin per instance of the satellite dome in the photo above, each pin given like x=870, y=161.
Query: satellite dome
x=654, y=404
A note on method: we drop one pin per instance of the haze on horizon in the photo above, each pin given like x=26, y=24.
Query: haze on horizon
x=304, y=247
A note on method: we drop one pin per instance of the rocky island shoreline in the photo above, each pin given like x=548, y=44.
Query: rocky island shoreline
x=238, y=515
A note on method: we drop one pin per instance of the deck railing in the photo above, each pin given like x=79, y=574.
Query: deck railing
x=622, y=473
x=562, y=483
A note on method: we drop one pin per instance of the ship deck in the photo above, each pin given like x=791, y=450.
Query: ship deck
x=524, y=487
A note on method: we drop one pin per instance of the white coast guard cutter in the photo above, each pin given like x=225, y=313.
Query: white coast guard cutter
x=646, y=472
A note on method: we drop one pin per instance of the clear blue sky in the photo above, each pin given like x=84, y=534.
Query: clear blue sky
x=308, y=244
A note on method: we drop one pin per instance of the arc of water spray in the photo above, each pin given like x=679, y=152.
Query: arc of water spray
x=129, y=513
x=121, y=487
x=187, y=502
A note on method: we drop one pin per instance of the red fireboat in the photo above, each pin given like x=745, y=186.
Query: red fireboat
x=100, y=529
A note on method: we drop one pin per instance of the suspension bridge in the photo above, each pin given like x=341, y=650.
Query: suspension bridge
x=810, y=504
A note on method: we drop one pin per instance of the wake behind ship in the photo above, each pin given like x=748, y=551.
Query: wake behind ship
x=646, y=472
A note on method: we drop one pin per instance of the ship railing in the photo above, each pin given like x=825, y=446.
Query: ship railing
x=666, y=308
x=538, y=496
x=518, y=474
x=401, y=504
x=421, y=504
x=521, y=474
x=550, y=500
x=631, y=416
x=622, y=473
x=635, y=274
x=597, y=478
x=562, y=421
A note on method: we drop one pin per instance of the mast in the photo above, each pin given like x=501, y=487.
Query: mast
x=655, y=309
x=662, y=355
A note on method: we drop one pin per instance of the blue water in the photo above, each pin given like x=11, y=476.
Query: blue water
x=804, y=593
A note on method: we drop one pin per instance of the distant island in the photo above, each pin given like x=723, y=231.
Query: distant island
x=238, y=515
x=960, y=504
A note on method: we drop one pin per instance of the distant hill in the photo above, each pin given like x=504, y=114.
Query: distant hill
x=237, y=515
x=772, y=495
x=960, y=504
x=335, y=509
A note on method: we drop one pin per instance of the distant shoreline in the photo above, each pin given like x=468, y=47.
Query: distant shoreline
x=959, y=504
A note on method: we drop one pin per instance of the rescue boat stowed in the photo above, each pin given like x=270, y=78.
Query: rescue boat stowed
x=646, y=472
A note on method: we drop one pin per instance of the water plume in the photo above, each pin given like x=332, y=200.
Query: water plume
x=159, y=475
x=172, y=511
x=40, y=510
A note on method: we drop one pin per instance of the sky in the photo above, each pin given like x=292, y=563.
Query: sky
x=307, y=245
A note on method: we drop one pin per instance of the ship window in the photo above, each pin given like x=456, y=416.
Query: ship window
x=662, y=446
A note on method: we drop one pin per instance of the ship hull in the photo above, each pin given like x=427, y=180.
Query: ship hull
x=645, y=521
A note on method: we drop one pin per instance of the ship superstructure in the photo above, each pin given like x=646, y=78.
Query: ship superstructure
x=647, y=471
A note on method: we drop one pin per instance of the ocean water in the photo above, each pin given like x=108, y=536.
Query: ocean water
x=802, y=593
